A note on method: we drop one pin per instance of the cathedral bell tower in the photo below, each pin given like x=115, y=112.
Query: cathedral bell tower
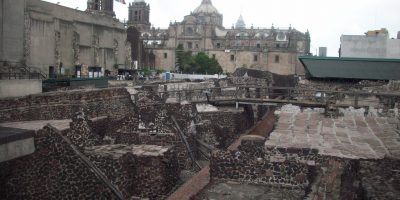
x=101, y=6
x=139, y=15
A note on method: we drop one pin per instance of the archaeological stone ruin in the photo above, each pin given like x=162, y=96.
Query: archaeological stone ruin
x=248, y=136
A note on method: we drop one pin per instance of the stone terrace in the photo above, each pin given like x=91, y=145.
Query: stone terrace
x=352, y=137
x=146, y=171
x=118, y=150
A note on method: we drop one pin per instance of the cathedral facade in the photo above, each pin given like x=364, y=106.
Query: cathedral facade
x=270, y=49
x=62, y=41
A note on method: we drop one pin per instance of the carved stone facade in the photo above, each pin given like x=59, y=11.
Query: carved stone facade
x=271, y=49
x=75, y=44
x=27, y=41
x=47, y=36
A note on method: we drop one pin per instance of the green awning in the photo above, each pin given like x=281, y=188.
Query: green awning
x=351, y=68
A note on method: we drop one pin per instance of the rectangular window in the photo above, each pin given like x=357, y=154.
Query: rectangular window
x=277, y=59
x=218, y=45
x=232, y=57
x=277, y=45
x=165, y=55
x=190, y=45
x=255, y=58
x=197, y=46
x=258, y=45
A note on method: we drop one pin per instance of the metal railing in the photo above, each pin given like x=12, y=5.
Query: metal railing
x=10, y=76
x=21, y=72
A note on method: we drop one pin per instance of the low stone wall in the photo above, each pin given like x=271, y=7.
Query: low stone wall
x=381, y=179
x=20, y=87
x=63, y=105
x=160, y=139
x=146, y=171
x=335, y=179
x=54, y=171
x=248, y=165
x=298, y=168
x=221, y=128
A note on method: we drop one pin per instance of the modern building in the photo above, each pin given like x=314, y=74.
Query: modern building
x=351, y=68
x=62, y=41
x=272, y=49
x=374, y=44
x=322, y=51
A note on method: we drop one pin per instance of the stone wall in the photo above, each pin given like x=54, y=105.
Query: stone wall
x=63, y=105
x=81, y=133
x=54, y=171
x=20, y=87
x=160, y=139
x=300, y=168
x=221, y=128
x=151, y=124
x=380, y=179
x=248, y=165
x=145, y=171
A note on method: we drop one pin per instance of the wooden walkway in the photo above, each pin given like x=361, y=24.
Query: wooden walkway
x=276, y=96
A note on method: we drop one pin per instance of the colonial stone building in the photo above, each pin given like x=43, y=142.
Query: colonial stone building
x=60, y=40
x=272, y=49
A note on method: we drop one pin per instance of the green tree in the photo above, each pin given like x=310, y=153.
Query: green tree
x=206, y=65
x=183, y=58
x=200, y=63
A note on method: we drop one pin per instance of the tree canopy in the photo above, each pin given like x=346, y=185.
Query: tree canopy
x=200, y=63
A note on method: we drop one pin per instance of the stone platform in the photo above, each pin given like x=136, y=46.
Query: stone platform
x=15, y=143
x=118, y=150
x=350, y=136
x=39, y=124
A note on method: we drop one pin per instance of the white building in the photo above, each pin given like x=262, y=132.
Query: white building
x=374, y=44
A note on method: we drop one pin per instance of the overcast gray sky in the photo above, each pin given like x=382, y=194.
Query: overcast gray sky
x=326, y=20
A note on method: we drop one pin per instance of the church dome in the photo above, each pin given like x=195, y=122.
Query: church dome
x=206, y=7
x=240, y=23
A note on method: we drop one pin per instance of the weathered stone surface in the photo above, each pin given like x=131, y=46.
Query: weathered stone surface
x=81, y=133
x=219, y=129
x=249, y=164
x=63, y=105
x=146, y=171
x=353, y=137
x=232, y=190
x=381, y=179
x=54, y=171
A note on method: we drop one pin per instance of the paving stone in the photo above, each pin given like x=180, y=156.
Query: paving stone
x=354, y=137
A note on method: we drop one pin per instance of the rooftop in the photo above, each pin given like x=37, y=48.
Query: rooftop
x=206, y=7
x=351, y=68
